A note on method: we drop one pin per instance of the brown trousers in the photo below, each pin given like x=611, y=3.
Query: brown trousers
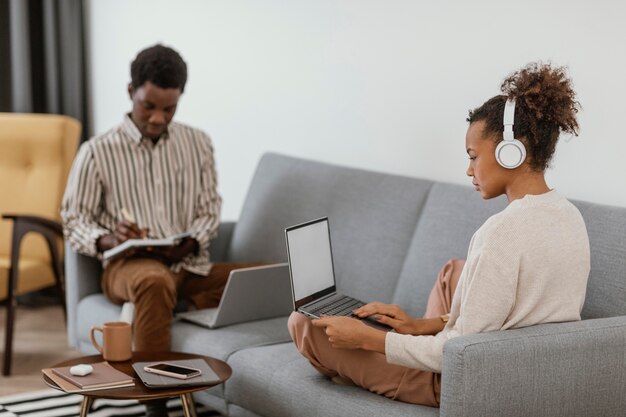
x=370, y=370
x=153, y=287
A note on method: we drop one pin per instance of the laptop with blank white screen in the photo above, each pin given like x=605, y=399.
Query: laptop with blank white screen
x=312, y=273
x=254, y=293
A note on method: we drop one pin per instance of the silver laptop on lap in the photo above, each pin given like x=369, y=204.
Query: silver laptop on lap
x=250, y=294
x=312, y=273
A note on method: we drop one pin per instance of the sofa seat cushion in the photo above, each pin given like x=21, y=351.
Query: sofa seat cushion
x=222, y=342
x=219, y=343
x=277, y=381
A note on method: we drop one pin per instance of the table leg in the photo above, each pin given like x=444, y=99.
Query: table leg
x=189, y=408
x=85, y=406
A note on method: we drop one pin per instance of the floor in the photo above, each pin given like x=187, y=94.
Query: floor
x=39, y=341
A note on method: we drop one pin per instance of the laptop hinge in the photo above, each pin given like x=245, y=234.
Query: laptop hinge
x=318, y=300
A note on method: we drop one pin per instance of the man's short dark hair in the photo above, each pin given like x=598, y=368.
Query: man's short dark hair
x=160, y=65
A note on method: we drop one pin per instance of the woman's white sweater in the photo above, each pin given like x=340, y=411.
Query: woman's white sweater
x=526, y=265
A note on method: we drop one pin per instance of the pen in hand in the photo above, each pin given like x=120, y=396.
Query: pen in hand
x=129, y=218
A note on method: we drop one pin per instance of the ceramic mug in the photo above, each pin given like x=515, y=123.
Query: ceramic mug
x=117, y=341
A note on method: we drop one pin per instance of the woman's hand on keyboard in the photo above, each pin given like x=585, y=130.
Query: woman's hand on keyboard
x=390, y=314
x=349, y=333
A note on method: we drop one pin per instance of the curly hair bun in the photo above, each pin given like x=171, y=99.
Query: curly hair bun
x=546, y=106
x=546, y=94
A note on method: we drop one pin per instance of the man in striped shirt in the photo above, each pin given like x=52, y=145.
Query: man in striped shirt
x=161, y=175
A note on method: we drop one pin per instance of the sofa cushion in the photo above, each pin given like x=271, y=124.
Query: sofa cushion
x=372, y=217
x=606, y=289
x=451, y=215
x=277, y=381
x=235, y=411
x=222, y=342
x=219, y=343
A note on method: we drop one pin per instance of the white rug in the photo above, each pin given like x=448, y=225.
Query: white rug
x=53, y=403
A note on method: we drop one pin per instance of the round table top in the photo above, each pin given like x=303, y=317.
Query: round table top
x=139, y=391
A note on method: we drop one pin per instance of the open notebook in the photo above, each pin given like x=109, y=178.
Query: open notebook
x=143, y=243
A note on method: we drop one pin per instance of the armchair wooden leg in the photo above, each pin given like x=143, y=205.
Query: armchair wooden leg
x=10, y=319
x=18, y=233
x=58, y=274
x=51, y=231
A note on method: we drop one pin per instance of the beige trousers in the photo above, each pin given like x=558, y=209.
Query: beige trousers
x=153, y=287
x=370, y=370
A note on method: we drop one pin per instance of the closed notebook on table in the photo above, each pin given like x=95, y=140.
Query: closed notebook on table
x=103, y=376
x=68, y=387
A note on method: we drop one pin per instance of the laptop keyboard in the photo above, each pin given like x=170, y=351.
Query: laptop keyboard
x=340, y=307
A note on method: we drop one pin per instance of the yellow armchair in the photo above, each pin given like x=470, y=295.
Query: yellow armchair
x=36, y=153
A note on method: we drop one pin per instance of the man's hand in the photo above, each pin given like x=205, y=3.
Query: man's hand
x=350, y=333
x=171, y=255
x=124, y=230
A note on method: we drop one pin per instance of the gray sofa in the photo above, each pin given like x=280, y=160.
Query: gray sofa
x=391, y=234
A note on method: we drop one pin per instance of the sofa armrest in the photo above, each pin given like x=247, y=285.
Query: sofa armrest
x=82, y=278
x=560, y=369
x=218, y=247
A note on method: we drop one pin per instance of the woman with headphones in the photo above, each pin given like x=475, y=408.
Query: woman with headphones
x=526, y=265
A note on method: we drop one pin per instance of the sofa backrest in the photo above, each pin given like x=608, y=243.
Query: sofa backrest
x=606, y=289
x=372, y=217
x=392, y=234
x=453, y=213
x=448, y=220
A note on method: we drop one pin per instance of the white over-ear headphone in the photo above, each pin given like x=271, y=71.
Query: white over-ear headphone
x=510, y=153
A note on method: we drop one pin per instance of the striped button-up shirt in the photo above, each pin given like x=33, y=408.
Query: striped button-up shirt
x=169, y=187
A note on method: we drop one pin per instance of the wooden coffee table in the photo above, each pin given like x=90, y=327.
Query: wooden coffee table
x=139, y=391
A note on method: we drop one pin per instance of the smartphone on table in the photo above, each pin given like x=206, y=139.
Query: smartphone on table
x=171, y=370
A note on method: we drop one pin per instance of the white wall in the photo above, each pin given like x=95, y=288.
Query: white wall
x=378, y=84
